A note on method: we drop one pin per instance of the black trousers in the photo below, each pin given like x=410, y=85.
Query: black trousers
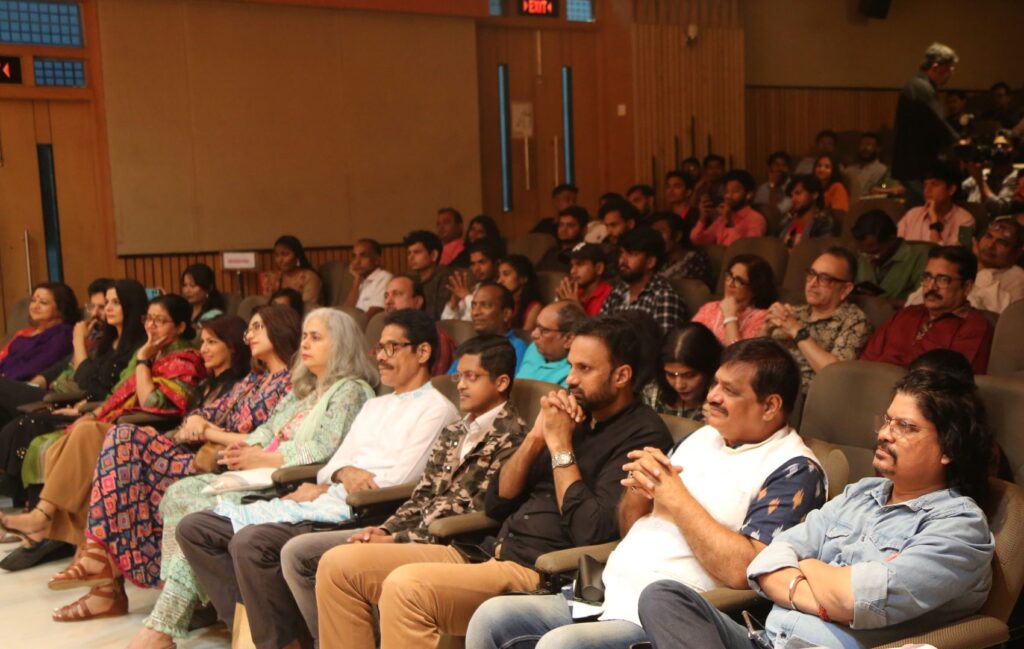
x=246, y=567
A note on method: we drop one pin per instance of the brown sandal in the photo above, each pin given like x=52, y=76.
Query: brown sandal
x=77, y=610
x=75, y=575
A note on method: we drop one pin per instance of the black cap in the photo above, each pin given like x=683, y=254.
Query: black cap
x=589, y=252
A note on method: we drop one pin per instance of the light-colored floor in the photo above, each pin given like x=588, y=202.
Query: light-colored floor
x=26, y=603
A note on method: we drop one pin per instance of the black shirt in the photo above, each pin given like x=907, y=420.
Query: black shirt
x=922, y=132
x=533, y=524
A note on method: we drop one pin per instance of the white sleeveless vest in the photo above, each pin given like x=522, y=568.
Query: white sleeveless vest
x=724, y=481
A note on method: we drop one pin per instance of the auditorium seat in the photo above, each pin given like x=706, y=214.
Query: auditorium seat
x=694, y=292
x=980, y=214
x=771, y=249
x=1004, y=403
x=801, y=256
x=547, y=283
x=772, y=215
x=532, y=245
x=248, y=305
x=356, y=314
x=374, y=327
x=232, y=301
x=877, y=309
x=715, y=254
x=1007, y=355
x=459, y=330
x=337, y=282
x=17, y=318
x=680, y=427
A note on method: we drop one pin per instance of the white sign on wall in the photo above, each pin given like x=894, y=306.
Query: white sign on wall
x=239, y=260
x=522, y=119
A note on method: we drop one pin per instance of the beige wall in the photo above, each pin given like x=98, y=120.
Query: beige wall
x=827, y=43
x=232, y=123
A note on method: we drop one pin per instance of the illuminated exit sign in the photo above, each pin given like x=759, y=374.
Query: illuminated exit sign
x=10, y=69
x=538, y=8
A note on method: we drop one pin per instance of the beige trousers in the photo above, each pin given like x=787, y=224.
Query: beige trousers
x=422, y=590
x=70, y=466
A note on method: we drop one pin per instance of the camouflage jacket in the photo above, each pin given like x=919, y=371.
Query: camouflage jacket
x=448, y=487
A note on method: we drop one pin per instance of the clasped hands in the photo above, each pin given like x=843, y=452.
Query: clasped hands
x=560, y=413
x=781, y=317
x=651, y=473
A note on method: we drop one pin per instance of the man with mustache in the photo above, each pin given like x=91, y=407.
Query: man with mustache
x=491, y=312
x=945, y=319
x=640, y=287
x=406, y=292
x=828, y=328
x=558, y=490
x=235, y=549
x=697, y=517
x=891, y=557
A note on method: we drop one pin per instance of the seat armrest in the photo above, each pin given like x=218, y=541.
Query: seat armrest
x=293, y=474
x=34, y=406
x=162, y=422
x=567, y=560
x=64, y=398
x=370, y=497
x=89, y=406
x=462, y=524
x=730, y=600
x=968, y=633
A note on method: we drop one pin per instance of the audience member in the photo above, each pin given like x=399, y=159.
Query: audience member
x=827, y=170
x=480, y=227
x=515, y=272
x=867, y=171
x=691, y=169
x=887, y=266
x=484, y=257
x=749, y=291
x=199, y=287
x=292, y=270
x=939, y=220
x=369, y=280
x=1001, y=108
x=679, y=192
x=824, y=144
x=463, y=461
x=405, y=292
x=642, y=198
x=640, y=287
x=1001, y=175
x=956, y=112
x=619, y=217
x=922, y=132
x=423, y=252
x=585, y=284
x=449, y=231
x=235, y=549
x=290, y=298
x=52, y=314
x=828, y=328
x=806, y=218
x=610, y=197
x=562, y=197
x=829, y=587
x=1000, y=281
x=558, y=490
x=687, y=364
x=572, y=225
x=682, y=259
x=945, y=319
x=492, y=313
x=546, y=357
x=711, y=181
x=733, y=219
x=697, y=517
x=773, y=190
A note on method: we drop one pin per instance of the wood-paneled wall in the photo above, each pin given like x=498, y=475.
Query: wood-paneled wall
x=688, y=96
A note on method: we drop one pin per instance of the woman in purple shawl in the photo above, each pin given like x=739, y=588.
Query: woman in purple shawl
x=53, y=313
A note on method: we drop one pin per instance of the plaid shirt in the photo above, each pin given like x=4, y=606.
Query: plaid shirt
x=658, y=299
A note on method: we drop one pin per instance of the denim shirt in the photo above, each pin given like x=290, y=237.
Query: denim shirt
x=923, y=562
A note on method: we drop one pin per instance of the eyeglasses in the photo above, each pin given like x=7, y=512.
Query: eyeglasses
x=738, y=281
x=471, y=377
x=158, y=320
x=899, y=427
x=823, y=278
x=942, y=281
x=389, y=348
x=546, y=330
x=255, y=328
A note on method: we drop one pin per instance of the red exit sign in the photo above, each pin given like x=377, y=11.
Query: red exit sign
x=538, y=8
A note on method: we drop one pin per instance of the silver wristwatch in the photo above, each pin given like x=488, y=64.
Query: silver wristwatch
x=562, y=459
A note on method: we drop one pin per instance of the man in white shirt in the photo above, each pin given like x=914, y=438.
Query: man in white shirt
x=483, y=267
x=938, y=221
x=368, y=279
x=698, y=517
x=388, y=444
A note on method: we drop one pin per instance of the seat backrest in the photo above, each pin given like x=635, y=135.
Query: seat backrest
x=680, y=427
x=447, y=387
x=980, y=214
x=841, y=405
x=459, y=330
x=337, y=282
x=716, y=254
x=834, y=463
x=547, y=283
x=771, y=249
x=248, y=305
x=374, y=327
x=232, y=301
x=1007, y=352
x=526, y=394
x=356, y=314
x=1004, y=403
x=877, y=309
x=801, y=257
x=1005, y=512
x=694, y=293
x=17, y=318
x=772, y=215
x=532, y=245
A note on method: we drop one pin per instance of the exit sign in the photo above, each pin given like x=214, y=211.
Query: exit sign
x=538, y=8
x=10, y=69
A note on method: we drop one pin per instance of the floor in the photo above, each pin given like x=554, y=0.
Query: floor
x=26, y=602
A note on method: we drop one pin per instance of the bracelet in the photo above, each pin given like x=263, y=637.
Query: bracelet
x=731, y=318
x=145, y=362
x=823, y=614
x=792, y=588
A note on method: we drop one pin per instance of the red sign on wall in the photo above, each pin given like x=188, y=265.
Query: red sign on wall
x=10, y=69
x=538, y=8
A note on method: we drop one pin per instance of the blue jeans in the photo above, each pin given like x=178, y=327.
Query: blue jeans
x=544, y=622
x=677, y=617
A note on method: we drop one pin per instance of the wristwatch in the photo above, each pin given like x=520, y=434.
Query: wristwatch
x=803, y=334
x=562, y=459
x=148, y=362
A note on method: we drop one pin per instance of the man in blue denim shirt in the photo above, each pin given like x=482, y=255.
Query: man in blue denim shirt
x=891, y=556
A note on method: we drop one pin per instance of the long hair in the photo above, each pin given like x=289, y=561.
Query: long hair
x=134, y=303
x=205, y=279
x=230, y=329
x=292, y=243
x=694, y=346
x=837, y=175
x=761, y=278
x=284, y=328
x=530, y=292
x=349, y=355
x=65, y=299
x=490, y=227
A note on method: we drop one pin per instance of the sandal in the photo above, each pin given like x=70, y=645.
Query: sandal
x=75, y=575
x=26, y=537
x=77, y=610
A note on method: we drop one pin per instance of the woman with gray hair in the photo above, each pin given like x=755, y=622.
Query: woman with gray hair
x=332, y=377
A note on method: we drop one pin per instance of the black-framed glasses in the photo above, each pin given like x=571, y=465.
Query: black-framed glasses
x=158, y=320
x=470, y=376
x=736, y=279
x=900, y=427
x=823, y=278
x=942, y=281
x=546, y=330
x=389, y=348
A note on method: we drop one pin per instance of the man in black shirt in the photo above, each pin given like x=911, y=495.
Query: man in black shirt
x=560, y=489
